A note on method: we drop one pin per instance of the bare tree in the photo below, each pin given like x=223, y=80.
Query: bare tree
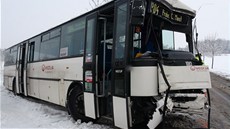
x=212, y=46
x=96, y=3
x=227, y=44
x=202, y=46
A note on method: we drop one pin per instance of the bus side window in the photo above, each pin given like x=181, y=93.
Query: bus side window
x=73, y=38
x=34, y=49
x=31, y=52
x=50, y=45
x=7, y=57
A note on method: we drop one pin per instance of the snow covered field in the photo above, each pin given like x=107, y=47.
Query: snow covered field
x=221, y=65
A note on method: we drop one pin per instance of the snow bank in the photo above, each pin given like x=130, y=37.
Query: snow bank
x=221, y=65
x=18, y=112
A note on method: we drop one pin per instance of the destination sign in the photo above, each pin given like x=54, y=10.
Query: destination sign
x=163, y=12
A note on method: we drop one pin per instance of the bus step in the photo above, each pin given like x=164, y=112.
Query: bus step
x=107, y=120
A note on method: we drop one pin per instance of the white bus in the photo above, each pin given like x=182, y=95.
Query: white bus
x=122, y=62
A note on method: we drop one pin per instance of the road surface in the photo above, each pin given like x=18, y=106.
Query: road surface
x=220, y=98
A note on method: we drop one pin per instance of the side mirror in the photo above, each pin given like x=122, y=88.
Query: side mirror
x=195, y=36
x=138, y=12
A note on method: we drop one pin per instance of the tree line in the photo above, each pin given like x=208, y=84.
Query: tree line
x=212, y=46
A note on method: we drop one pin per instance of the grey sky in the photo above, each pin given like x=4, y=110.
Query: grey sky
x=213, y=16
x=22, y=19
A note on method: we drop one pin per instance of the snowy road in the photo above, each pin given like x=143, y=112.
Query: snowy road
x=220, y=97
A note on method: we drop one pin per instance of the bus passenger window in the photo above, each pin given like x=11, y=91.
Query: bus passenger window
x=46, y=37
x=35, y=42
x=31, y=52
x=73, y=38
x=14, y=52
x=10, y=56
x=7, y=57
x=55, y=33
x=50, y=49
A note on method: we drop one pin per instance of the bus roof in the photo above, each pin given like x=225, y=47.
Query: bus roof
x=178, y=6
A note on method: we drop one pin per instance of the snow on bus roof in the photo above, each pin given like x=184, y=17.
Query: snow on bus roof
x=176, y=4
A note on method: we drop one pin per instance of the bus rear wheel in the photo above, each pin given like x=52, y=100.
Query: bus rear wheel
x=76, y=103
x=14, y=87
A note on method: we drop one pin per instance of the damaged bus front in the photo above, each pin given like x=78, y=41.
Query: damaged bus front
x=163, y=62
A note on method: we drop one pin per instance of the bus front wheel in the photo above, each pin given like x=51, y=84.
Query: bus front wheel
x=76, y=103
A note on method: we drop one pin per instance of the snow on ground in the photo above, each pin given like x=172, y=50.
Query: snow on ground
x=18, y=112
x=221, y=65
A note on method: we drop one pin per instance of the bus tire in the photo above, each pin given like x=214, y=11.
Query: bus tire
x=14, y=87
x=75, y=104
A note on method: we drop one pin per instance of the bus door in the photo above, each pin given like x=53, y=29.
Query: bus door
x=97, y=67
x=89, y=67
x=21, y=64
x=121, y=110
x=104, y=66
